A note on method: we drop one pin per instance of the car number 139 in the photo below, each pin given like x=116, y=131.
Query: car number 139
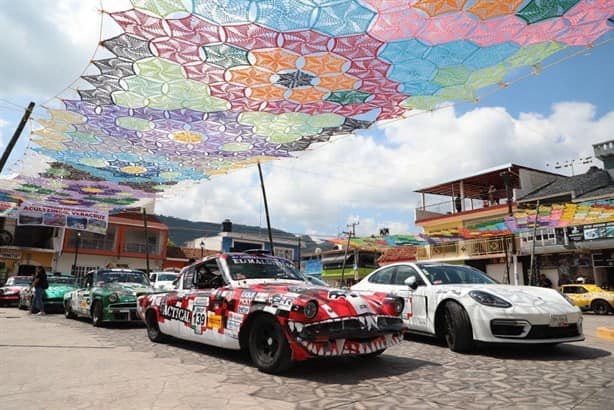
x=199, y=316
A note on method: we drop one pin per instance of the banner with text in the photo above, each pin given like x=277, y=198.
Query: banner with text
x=82, y=219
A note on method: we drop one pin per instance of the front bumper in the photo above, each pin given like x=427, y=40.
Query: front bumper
x=9, y=299
x=530, y=328
x=121, y=312
x=350, y=336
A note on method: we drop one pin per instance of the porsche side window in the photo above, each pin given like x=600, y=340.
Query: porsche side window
x=404, y=272
x=582, y=289
x=188, y=278
x=383, y=277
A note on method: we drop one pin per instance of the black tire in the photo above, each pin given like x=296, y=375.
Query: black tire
x=268, y=346
x=457, y=328
x=600, y=307
x=153, y=330
x=20, y=305
x=97, y=314
x=372, y=355
x=68, y=313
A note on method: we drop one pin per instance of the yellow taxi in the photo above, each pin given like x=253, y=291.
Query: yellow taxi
x=590, y=297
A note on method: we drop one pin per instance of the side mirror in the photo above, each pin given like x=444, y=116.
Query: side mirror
x=412, y=282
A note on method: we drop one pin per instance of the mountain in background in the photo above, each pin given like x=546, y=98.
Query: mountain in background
x=181, y=231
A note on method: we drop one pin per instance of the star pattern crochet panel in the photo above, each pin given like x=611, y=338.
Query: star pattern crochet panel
x=186, y=94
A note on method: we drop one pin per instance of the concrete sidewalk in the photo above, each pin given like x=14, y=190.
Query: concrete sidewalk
x=44, y=365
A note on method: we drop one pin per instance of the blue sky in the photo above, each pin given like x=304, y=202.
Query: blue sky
x=369, y=177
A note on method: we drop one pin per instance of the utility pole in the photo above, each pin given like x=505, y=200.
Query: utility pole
x=266, y=210
x=15, y=137
x=532, y=279
x=569, y=163
x=347, y=247
x=146, y=240
x=507, y=181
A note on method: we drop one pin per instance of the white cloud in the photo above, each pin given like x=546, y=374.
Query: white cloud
x=3, y=124
x=46, y=45
x=372, y=176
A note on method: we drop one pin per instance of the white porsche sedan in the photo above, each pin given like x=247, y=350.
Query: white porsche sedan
x=463, y=305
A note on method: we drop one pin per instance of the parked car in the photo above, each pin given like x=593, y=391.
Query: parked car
x=53, y=299
x=262, y=304
x=463, y=305
x=315, y=281
x=590, y=297
x=107, y=295
x=9, y=293
x=163, y=280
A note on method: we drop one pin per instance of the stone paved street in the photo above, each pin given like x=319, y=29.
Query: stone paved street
x=51, y=362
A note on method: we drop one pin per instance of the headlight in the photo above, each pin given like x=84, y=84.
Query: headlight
x=398, y=305
x=488, y=299
x=567, y=298
x=311, y=309
x=113, y=297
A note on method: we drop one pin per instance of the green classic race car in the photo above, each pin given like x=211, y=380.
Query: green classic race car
x=107, y=295
x=59, y=285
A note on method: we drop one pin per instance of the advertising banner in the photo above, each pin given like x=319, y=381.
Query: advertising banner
x=312, y=266
x=82, y=219
x=6, y=207
x=591, y=232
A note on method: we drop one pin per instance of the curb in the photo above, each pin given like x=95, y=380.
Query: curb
x=605, y=333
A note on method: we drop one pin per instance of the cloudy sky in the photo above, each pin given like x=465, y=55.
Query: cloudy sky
x=369, y=177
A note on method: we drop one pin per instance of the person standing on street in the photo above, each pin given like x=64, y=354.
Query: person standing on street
x=39, y=284
x=544, y=282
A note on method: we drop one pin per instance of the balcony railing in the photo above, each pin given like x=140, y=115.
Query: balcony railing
x=448, y=208
x=93, y=244
x=140, y=248
x=462, y=249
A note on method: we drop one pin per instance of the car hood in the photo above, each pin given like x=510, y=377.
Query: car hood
x=516, y=295
x=126, y=288
x=161, y=283
x=333, y=302
x=11, y=289
x=58, y=291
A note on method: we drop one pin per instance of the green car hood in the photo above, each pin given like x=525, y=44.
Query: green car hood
x=124, y=288
x=58, y=292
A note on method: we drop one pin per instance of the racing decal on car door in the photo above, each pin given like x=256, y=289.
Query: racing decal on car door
x=199, y=319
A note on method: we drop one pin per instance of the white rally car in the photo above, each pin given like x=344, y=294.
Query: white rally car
x=464, y=306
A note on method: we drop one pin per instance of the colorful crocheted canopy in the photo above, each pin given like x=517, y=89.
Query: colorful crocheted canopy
x=182, y=95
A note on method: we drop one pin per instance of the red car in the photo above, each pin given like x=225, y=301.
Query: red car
x=262, y=304
x=9, y=293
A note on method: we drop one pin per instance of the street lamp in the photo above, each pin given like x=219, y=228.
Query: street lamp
x=202, y=249
x=78, y=242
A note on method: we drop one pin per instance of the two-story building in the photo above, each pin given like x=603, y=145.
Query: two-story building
x=125, y=244
x=462, y=205
x=285, y=244
x=585, y=248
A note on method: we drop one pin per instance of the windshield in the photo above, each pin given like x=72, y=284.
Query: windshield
x=259, y=267
x=18, y=281
x=54, y=280
x=123, y=277
x=454, y=274
x=166, y=277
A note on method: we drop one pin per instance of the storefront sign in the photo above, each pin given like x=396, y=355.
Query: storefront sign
x=82, y=219
x=10, y=254
x=591, y=232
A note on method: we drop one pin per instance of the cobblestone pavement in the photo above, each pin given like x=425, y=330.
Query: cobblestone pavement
x=418, y=373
